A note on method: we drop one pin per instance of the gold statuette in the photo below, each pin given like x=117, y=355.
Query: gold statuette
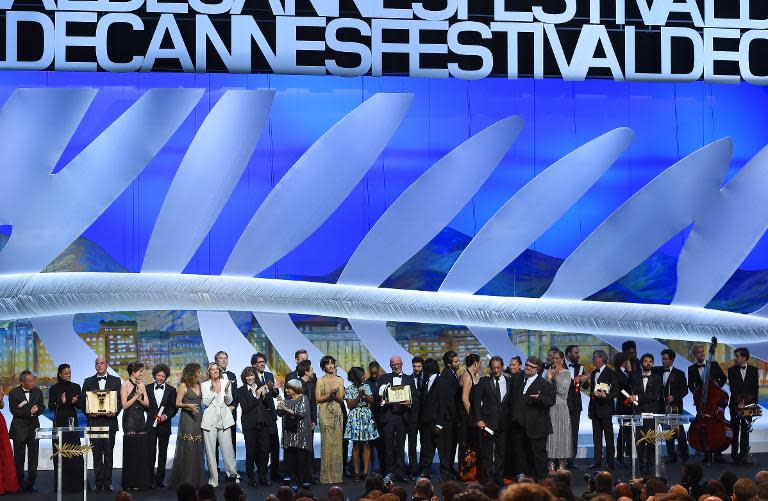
x=399, y=394
x=101, y=402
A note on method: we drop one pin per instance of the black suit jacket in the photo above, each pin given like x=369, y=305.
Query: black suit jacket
x=429, y=400
x=676, y=386
x=574, y=392
x=112, y=384
x=603, y=407
x=742, y=389
x=255, y=414
x=391, y=411
x=625, y=380
x=715, y=373
x=23, y=419
x=449, y=398
x=168, y=402
x=486, y=405
x=532, y=414
x=269, y=399
x=648, y=399
x=413, y=415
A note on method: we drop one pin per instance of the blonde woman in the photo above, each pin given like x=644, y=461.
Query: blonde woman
x=216, y=424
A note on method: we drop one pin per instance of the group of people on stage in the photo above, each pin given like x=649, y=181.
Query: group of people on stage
x=522, y=419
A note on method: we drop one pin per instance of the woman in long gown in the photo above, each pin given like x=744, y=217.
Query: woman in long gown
x=9, y=482
x=137, y=467
x=559, y=442
x=469, y=436
x=188, y=459
x=63, y=397
x=330, y=395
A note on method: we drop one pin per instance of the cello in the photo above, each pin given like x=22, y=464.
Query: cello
x=709, y=431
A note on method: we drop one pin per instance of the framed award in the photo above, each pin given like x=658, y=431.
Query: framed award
x=399, y=394
x=101, y=402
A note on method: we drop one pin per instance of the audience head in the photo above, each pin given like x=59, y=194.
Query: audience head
x=622, y=489
x=692, y=473
x=123, y=496
x=374, y=482
x=526, y=492
x=565, y=477
x=389, y=497
x=762, y=491
x=716, y=488
x=186, y=492
x=652, y=487
x=206, y=493
x=761, y=476
x=304, y=493
x=450, y=488
x=336, y=491
x=233, y=492
x=400, y=492
x=604, y=482
x=744, y=489
x=492, y=490
x=728, y=478
x=471, y=495
x=284, y=493
x=423, y=489
x=374, y=494
x=271, y=497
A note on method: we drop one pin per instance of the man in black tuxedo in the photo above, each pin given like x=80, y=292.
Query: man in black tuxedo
x=394, y=418
x=308, y=380
x=222, y=359
x=417, y=363
x=268, y=432
x=695, y=374
x=447, y=421
x=601, y=407
x=743, y=380
x=490, y=409
x=102, y=447
x=675, y=389
x=255, y=422
x=624, y=378
x=647, y=392
x=579, y=381
x=428, y=432
x=161, y=394
x=26, y=404
x=532, y=396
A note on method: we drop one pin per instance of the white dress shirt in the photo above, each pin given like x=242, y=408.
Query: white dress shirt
x=529, y=382
x=431, y=380
x=502, y=385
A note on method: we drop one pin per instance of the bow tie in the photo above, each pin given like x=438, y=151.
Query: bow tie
x=646, y=376
x=99, y=378
x=497, y=378
x=701, y=365
x=26, y=391
x=159, y=386
x=571, y=365
x=667, y=370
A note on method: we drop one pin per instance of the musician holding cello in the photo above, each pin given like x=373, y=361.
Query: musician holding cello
x=743, y=381
x=709, y=432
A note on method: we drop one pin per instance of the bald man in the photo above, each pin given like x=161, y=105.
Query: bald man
x=394, y=418
x=102, y=447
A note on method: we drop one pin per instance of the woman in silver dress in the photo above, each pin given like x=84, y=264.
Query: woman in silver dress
x=297, y=447
x=559, y=442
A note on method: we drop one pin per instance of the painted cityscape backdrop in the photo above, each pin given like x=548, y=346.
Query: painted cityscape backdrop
x=670, y=121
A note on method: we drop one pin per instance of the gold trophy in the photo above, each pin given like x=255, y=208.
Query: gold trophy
x=399, y=394
x=101, y=402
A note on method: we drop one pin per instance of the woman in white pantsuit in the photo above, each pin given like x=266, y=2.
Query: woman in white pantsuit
x=217, y=420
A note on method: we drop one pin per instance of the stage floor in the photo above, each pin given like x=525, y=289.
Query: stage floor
x=354, y=489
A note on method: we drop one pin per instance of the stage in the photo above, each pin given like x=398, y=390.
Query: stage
x=353, y=490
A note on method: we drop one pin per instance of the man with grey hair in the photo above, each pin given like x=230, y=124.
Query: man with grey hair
x=603, y=388
x=394, y=417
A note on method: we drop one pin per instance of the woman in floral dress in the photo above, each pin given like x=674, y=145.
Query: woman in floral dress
x=361, y=428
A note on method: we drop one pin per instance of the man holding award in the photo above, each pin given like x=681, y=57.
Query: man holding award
x=102, y=405
x=396, y=390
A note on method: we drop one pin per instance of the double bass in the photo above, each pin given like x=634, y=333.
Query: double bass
x=709, y=431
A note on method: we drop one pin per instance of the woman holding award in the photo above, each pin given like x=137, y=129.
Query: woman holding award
x=217, y=421
x=330, y=395
x=63, y=397
x=137, y=469
x=188, y=459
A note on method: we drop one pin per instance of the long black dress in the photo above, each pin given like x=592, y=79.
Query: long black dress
x=72, y=468
x=137, y=467
x=188, y=459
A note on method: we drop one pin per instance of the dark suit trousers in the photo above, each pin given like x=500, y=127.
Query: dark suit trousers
x=274, y=456
x=602, y=426
x=428, y=445
x=25, y=443
x=493, y=450
x=645, y=451
x=257, y=446
x=536, y=456
x=624, y=442
x=516, y=462
x=298, y=464
x=446, y=446
x=682, y=444
x=102, y=458
x=413, y=462
x=575, y=421
x=740, y=444
x=158, y=447
x=393, y=435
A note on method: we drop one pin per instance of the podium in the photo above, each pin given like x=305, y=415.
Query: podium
x=57, y=434
x=664, y=425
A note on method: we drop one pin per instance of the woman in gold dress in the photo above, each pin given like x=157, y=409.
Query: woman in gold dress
x=330, y=395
